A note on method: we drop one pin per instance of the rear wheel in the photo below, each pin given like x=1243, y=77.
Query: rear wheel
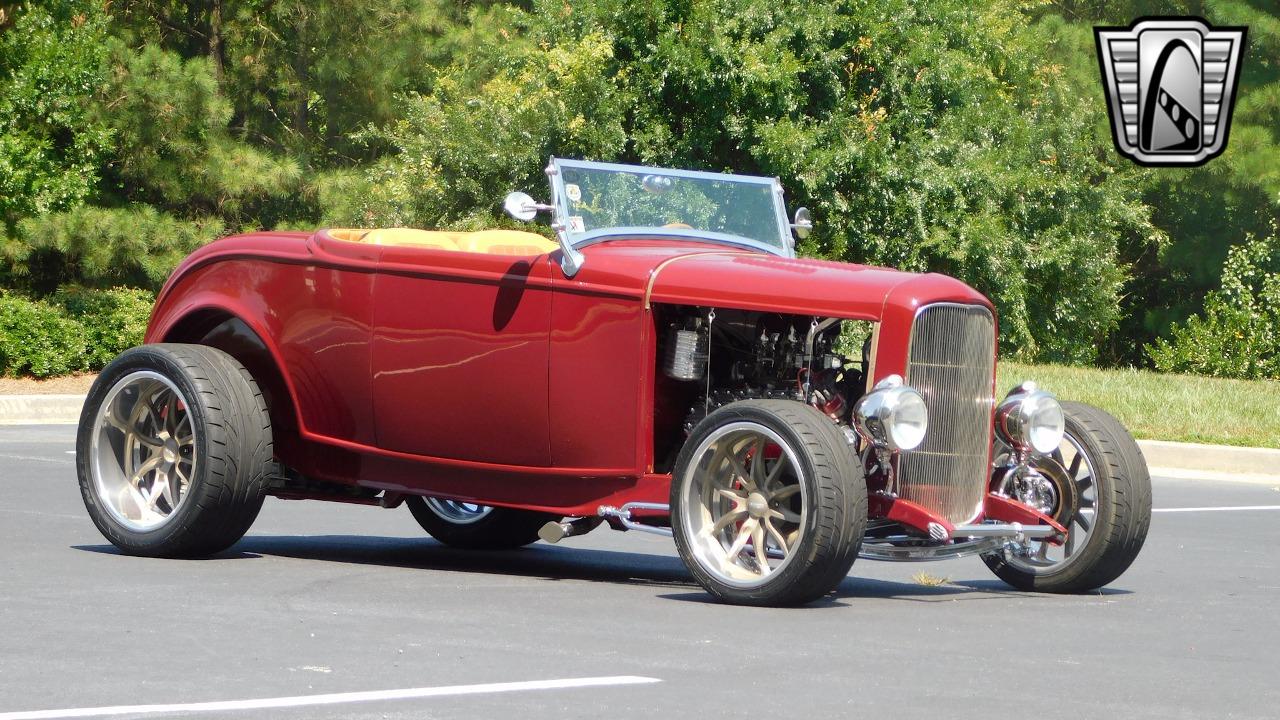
x=768, y=503
x=1096, y=485
x=173, y=451
x=476, y=527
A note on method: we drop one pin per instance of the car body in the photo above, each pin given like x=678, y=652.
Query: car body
x=502, y=369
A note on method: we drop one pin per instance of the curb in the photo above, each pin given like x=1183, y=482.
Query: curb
x=1167, y=459
x=40, y=409
x=1185, y=460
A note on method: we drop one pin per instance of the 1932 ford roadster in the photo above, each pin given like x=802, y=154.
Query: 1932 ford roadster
x=666, y=365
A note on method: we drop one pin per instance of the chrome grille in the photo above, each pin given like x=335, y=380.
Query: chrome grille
x=951, y=363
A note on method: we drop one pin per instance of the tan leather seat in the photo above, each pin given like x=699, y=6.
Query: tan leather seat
x=504, y=242
x=486, y=242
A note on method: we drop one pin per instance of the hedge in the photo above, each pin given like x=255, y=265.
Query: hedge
x=75, y=329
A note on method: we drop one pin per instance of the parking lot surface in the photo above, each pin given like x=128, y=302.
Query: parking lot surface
x=332, y=599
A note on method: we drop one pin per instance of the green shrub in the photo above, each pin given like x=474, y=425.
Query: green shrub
x=37, y=339
x=75, y=329
x=1238, y=335
x=114, y=320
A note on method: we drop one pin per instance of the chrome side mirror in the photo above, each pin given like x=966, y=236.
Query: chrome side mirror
x=803, y=223
x=522, y=207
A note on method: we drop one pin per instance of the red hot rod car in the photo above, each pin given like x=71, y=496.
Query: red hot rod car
x=665, y=365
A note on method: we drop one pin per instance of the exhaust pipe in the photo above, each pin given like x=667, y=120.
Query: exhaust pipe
x=553, y=532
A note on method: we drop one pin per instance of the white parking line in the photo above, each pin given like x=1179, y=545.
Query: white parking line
x=1218, y=509
x=333, y=698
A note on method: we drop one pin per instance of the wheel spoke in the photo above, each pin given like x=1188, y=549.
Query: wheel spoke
x=741, y=472
x=738, y=499
x=757, y=463
x=784, y=493
x=144, y=468
x=740, y=542
x=115, y=422
x=174, y=488
x=776, y=470
x=789, y=515
x=171, y=414
x=762, y=553
x=142, y=438
x=160, y=489
x=726, y=520
x=777, y=536
x=1084, y=483
x=1075, y=465
x=1083, y=521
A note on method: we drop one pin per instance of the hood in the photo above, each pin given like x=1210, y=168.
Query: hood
x=754, y=281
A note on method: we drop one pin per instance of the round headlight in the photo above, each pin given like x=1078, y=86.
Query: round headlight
x=1030, y=419
x=892, y=416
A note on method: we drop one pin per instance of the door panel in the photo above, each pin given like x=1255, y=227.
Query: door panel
x=597, y=370
x=460, y=344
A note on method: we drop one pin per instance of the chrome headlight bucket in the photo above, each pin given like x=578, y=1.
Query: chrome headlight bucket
x=1030, y=419
x=892, y=416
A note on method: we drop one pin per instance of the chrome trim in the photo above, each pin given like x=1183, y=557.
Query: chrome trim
x=1012, y=530
x=951, y=362
x=600, y=235
x=640, y=170
x=623, y=516
x=925, y=553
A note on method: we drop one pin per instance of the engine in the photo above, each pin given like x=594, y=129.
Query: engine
x=731, y=355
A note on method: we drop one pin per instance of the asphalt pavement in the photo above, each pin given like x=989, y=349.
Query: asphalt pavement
x=323, y=598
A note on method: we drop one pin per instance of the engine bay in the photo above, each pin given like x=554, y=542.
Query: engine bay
x=710, y=357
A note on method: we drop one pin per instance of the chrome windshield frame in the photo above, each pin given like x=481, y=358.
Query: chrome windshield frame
x=560, y=201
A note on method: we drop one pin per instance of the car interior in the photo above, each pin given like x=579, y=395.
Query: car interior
x=486, y=242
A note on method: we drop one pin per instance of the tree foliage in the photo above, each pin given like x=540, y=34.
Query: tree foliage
x=51, y=149
x=924, y=138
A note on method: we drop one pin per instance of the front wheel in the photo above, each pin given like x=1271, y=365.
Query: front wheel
x=1097, y=485
x=173, y=450
x=476, y=527
x=768, y=503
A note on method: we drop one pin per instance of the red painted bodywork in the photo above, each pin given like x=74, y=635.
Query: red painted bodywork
x=497, y=379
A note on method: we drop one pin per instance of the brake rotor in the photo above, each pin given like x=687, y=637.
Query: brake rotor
x=1050, y=476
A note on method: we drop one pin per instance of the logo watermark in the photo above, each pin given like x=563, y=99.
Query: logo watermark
x=1171, y=86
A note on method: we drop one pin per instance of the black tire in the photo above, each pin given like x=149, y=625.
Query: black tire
x=834, y=498
x=500, y=529
x=1122, y=516
x=232, y=438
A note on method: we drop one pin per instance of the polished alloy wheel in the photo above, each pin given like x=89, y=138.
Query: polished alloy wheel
x=744, y=504
x=460, y=513
x=1072, y=458
x=143, y=451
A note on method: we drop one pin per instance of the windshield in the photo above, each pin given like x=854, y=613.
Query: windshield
x=594, y=201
